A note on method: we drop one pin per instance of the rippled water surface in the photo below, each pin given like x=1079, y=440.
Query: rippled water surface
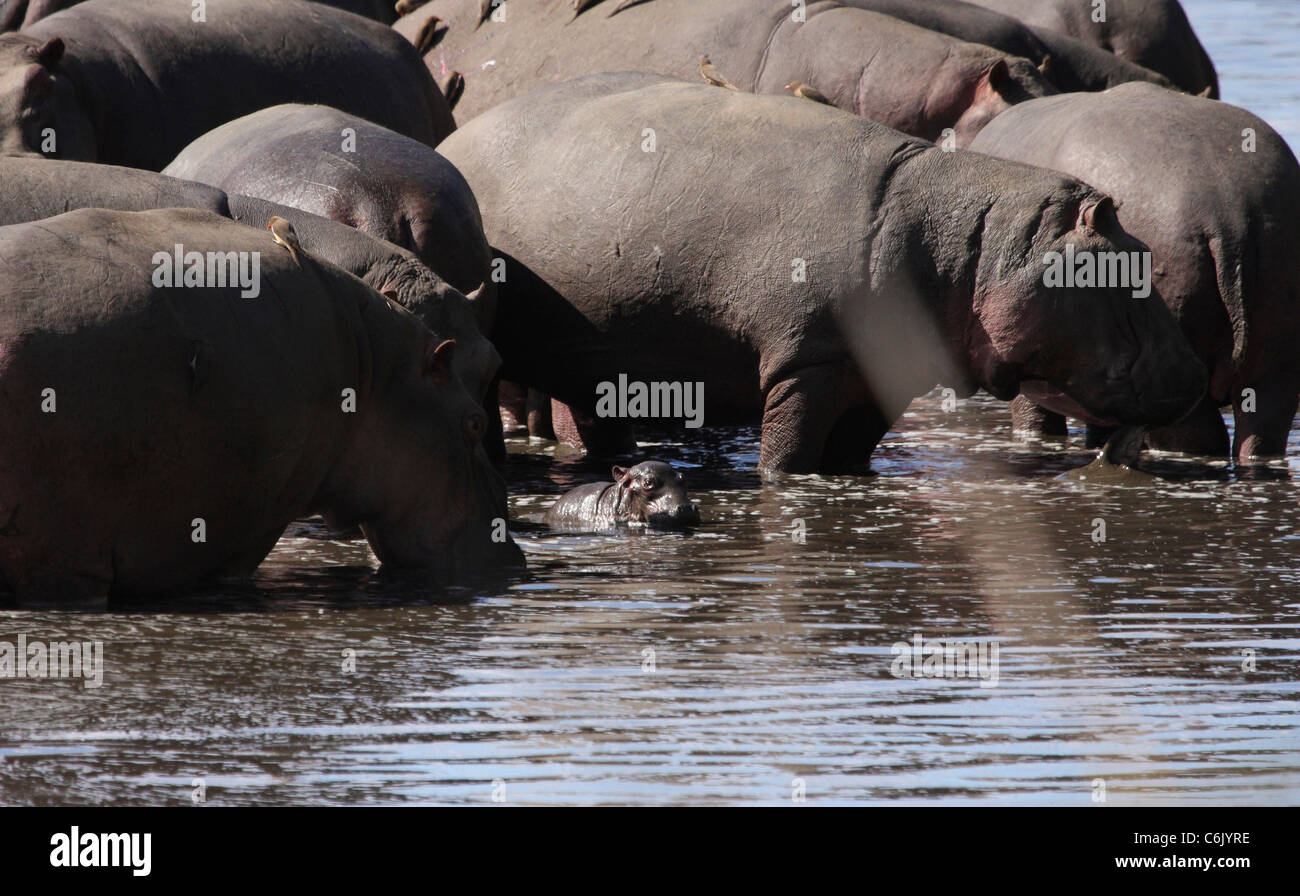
x=736, y=664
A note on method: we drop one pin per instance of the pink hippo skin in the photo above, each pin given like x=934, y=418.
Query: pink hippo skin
x=921, y=266
x=1223, y=247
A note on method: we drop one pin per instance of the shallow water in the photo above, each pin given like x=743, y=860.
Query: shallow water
x=1120, y=660
x=1127, y=660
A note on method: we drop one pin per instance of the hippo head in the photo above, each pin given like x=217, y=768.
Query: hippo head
x=1105, y=349
x=991, y=90
x=653, y=493
x=446, y=310
x=39, y=112
x=414, y=475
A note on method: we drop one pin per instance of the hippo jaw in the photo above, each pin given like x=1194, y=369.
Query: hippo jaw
x=1162, y=385
x=675, y=516
x=452, y=537
x=1104, y=352
x=413, y=472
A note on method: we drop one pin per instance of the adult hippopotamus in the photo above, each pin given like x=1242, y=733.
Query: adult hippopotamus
x=918, y=81
x=1153, y=33
x=649, y=494
x=1068, y=63
x=1223, y=246
x=167, y=415
x=40, y=188
x=794, y=264
x=131, y=82
x=339, y=166
x=15, y=14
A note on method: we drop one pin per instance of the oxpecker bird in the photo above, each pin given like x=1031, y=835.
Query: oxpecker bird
x=282, y=233
x=800, y=89
x=713, y=76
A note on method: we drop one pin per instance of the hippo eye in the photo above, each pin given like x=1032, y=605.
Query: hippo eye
x=650, y=482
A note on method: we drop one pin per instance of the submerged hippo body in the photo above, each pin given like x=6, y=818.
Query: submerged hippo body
x=381, y=182
x=31, y=189
x=1153, y=33
x=193, y=423
x=1223, y=247
x=916, y=80
x=1068, y=63
x=649, y=494
x=820, y=304
x=131, y=82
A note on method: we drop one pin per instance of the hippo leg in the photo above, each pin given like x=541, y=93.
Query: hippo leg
x=1263, y=431
x=800, y=413
x=596, y=436
x=1202, y=433
x=853, y=439
x=1028, y=419
x=540, y=419
x=511, y=401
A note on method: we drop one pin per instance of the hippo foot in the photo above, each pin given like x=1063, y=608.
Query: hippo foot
x=1029, y=421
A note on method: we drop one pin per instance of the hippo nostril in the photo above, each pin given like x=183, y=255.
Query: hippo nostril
x=475, y=426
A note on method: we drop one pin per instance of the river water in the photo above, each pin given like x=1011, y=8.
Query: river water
x=749, y=661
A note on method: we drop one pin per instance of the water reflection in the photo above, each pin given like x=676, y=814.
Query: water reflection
x=719, y=666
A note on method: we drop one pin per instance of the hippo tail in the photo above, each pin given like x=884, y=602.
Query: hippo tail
x=1236, y=275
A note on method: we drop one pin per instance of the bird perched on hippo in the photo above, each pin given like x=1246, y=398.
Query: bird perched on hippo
x=820, y=305
x=373, y=179
x=918, y=81
x=157, y=436
x=41, y=188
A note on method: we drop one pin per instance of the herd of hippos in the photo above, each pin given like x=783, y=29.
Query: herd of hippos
x=239, y=286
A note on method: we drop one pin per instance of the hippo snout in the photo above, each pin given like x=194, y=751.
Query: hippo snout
x=676, y=516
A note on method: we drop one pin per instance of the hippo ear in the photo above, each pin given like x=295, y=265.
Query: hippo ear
x=437, y=361
x=50, y=52
x=998, y=77
x=1097, y=214
x=477, y=294
x=620, y=473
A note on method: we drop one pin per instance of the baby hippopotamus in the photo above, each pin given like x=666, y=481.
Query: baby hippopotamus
x=648, y=494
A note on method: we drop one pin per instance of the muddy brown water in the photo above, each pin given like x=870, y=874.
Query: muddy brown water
x=1162, y=663
x=1127, y=660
